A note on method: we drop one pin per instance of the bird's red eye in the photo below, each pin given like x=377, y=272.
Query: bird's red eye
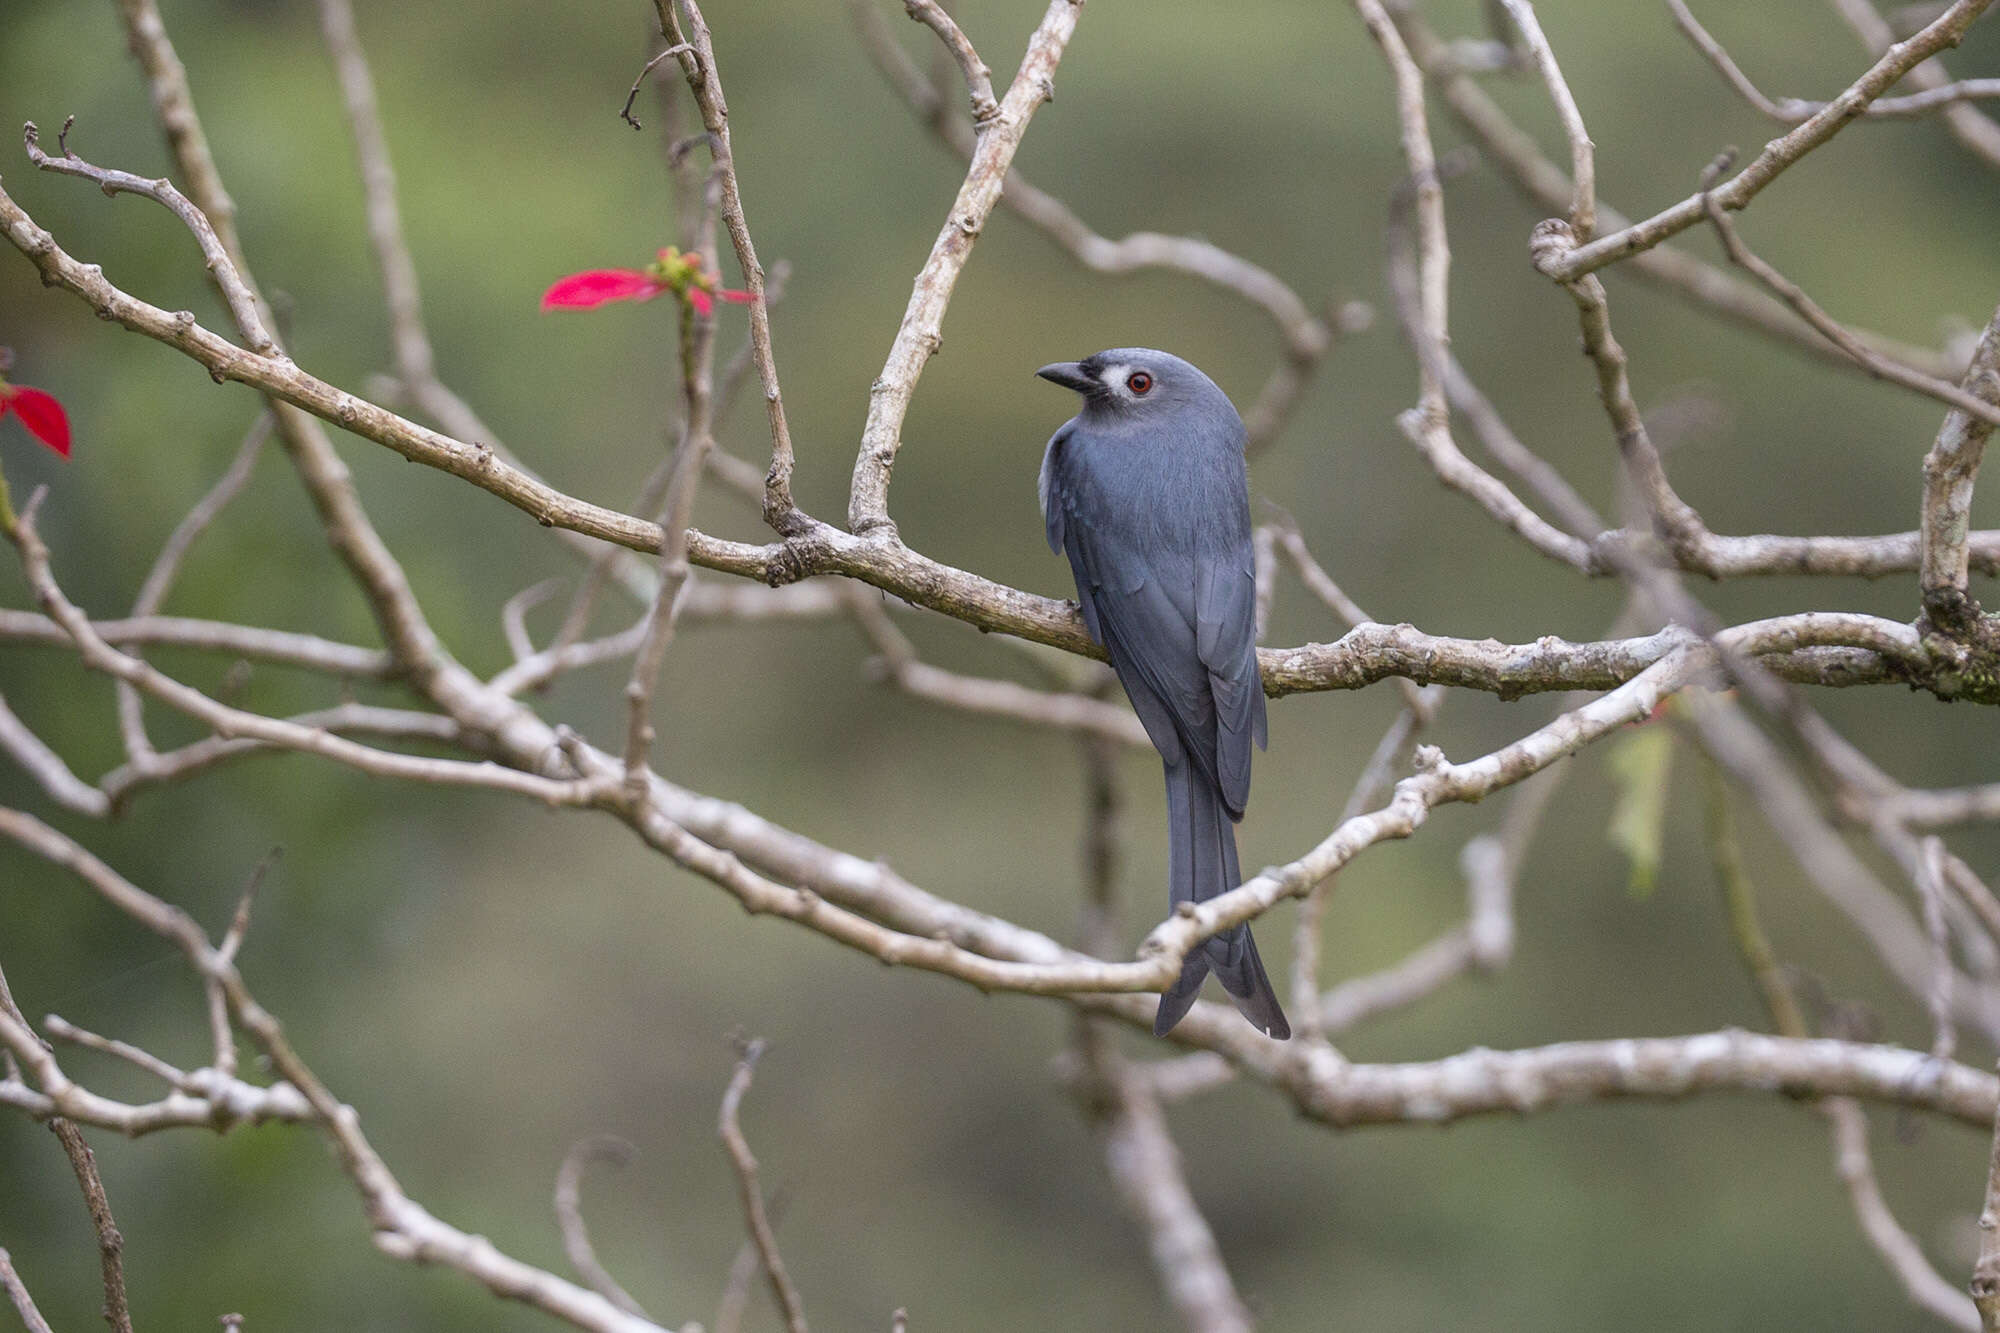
x=1139, y=381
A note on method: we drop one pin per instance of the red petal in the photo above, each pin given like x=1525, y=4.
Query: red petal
x=739, y=298
x=703, y=303
x=581, y=291
x=43, y=416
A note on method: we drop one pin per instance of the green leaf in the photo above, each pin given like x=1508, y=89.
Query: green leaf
x=1640, y=764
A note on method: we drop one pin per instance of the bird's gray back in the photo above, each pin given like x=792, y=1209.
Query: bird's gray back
x=1154, y=516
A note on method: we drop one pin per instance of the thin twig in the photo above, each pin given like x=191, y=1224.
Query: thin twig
x=1426, y=187
x=110, y=1243
x=1583, y=170
x=166, y=567
x=920, y=333
x=47, y=768
x=978, y=78
x=1930, y=878
x=1905, y=1257
x=1428, y=427
x=514, y=612
x=61, y=1029
x=569, y=1217
x=743, y=1269
x=752, y=1195
x=698, y=64
x=1973, y=129
x=1792, y=110
x=351, y=535
x=1844, y=1116
x=1548, y=187
x=1778, y=155
x=243, y=305
x=1307, y=335
x=1793, y=295
x=625, y=112
x=1985, y=1284
x=1146, y=1170
x=697, y=367
x=1950, y=469
x=17, y=1292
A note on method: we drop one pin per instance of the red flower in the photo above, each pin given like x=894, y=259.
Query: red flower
x=681, y=274
x=701, y=300
x=581, y=291
x=39, y=412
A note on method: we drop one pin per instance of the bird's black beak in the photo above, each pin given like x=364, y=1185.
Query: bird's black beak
x=1069, y=374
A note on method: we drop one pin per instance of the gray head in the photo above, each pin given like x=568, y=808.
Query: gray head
x=1138, y=385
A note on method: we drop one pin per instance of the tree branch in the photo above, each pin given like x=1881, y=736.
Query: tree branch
x=1943, y=32
x=698, y=64
x=730, y=1128
x=569, y=1218
x=920, y=333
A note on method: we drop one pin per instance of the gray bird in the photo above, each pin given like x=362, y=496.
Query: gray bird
x=1145, y=490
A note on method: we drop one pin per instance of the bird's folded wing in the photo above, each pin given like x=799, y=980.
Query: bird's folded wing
x=1225, y=640
x=1145, y=612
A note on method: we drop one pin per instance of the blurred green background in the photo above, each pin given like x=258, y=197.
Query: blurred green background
x=488, y=982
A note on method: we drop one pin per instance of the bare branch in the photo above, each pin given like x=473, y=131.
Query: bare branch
x=1146, y=1170
x=1829, y=863
x=236, y=723
x=1307, y=337
x=340, y=660
x=698, y=64
x=978, y=78
x=1974, y=130
x=625, y=112
x=740, y=1156
x=1570, y=265
x=1583, y=169
x=898, y=662
x=514, y=612
x=1844, y=1116
x=47, y=768
x=1932, y=895
x=1546, y=186
x=403, y=1228
x=1950, y=468
x=1521, y=1082
x=1422, y=972
x=110, y=1244
x=166, y=566
x=569, y=1217
x=1926, y=1290
x=1869, y=360
x=920, y=333
x=1429, y=429
x=17, y=1292
x=697, y=364
x=1986, y=1268
x=351, y=535
x=60, y=1029
x=243, y=304
x=121, y=784
x=415, y=362
x=1427, y=190
x=1792, y=110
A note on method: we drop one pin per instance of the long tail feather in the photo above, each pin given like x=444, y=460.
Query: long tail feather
x=1201, y=864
